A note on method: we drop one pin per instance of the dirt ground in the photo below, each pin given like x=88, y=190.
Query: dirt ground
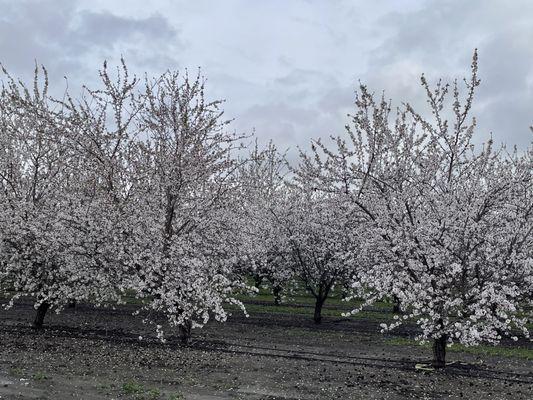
x=88, y=353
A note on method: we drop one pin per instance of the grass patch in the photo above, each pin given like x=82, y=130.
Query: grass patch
x=40, y=376
x=302, y=299
x=16, y=372
x=326, y=312
x=481, y=350
x=302, y=303
x=321, y=334
x=139, y=392
x=132, y=387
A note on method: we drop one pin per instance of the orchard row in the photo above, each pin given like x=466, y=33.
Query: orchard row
x=137, y=186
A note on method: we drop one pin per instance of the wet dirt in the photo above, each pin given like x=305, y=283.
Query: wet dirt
x=95, y=353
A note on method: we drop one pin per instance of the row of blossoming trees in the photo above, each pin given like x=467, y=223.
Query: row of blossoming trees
x=128, y=187
x=137, y=186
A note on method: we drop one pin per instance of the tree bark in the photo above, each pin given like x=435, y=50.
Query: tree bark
x=396, y=305
x=258, y=280
x=277, y=295
x=318, y=310
x=439, y=352
x=185, y=332
x=39, y=316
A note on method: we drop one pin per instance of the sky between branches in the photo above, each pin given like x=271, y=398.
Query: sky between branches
x=288, y=68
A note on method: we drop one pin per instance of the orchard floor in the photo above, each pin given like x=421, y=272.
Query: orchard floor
x=89, y=353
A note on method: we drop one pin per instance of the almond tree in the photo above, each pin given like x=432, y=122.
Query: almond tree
x=320, y=237
x=451, y=224
x=61, y=190
x=293, y=230
x=104, y=224
x=33, y=176
x=120, y=189
x=185, y=173
x=261, y=182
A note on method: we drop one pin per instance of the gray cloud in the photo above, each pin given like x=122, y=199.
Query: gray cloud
x=104, y=28
x=289, y=69
x=439, y=39
x=74, y=42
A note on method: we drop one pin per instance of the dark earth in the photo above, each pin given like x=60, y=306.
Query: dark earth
x=91, y=353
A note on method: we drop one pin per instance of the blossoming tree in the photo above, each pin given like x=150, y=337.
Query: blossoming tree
x=451, y=223
x=186, y=187
x=315, y=228
x=63, y=192
x=261, y=182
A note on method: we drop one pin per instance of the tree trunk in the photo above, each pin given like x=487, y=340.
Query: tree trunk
x=277, y=295
x=185, y=332
x=439, y=352
x=318, y=310
x=258, y=280
x=396, y=305
x=39, y=316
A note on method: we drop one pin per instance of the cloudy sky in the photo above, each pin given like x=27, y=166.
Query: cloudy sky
x=288, y=68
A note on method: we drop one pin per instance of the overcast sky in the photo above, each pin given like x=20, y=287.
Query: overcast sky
x=288, y=68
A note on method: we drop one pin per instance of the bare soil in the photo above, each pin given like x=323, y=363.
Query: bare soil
x=91, y=353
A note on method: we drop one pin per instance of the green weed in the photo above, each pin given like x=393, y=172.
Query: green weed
x=483, y=350
x=40, y=376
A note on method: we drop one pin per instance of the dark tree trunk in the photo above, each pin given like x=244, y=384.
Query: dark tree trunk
x=396, y=305
x=185, y=332
x=318, y=310
x=277, y=295
x=439, y=352
x=258, y=280
x=39, y=316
